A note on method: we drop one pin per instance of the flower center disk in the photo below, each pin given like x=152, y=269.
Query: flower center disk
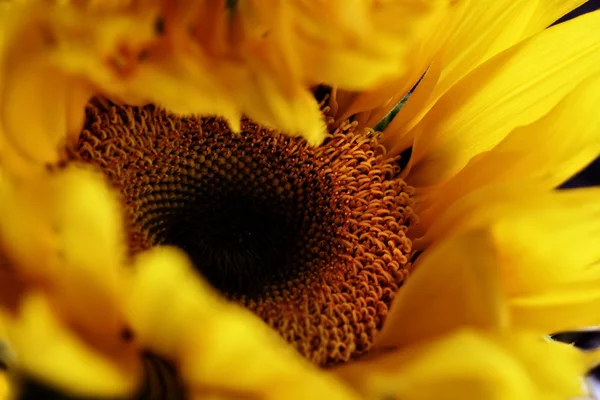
x=312, y=240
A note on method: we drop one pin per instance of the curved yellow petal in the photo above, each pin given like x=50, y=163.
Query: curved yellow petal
x=548, y=12
x=473, y=365
x=484, y=24
x=49, y=351
x=485, y=29
x=547, y=152
x=525, y=19
x=201, y=333
x=454, y=285
x=517, y=87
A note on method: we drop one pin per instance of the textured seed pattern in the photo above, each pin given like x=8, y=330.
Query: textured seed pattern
x=312, y=240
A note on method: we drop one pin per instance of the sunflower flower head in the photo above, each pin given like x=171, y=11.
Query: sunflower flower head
x=194, y=203
x=277, y=225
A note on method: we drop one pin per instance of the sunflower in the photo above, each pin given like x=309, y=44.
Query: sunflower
x=297, y=252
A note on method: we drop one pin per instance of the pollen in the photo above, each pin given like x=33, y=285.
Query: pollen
x=311, y=239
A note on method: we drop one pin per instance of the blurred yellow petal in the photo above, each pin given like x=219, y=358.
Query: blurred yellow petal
x=557, y=309
x=253, y=58
x=473, y=365
x=181, y=85
x=565, y=141
x=5, y=386
x=337, y=42
x=25, y=231
x=454, y=285
x=371, y=104
x=159, y=274
x=297, y=116
x=280, y=48
x=561, y=374
x=201, y=333
x=63, y=231
x=45, y=67
x=514, y=88
x=551, y=264
x=47, y=350
x=545, y=246
x=340, y=40
x=91, y=250
x=56, y=109
x=535, y=245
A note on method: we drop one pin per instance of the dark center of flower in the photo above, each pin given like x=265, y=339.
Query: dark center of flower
x=312, y=240
x=237, y=243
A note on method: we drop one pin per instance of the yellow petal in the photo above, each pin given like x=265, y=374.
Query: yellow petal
x=25, y=231
x=36, y=82
x=181, y=85
x=398, y=135
x=165, y=273
x=527, y=18
x=545, y=246
x=357, y=44
x=63, y=231
x=483, y=25
x=201, y=333
x=40, y=340
x=548, y=151
x=537, y=245
x=573, y=307
x=473, y=365
x=91, y=251
x=39, y=105
x=495, y=202
x=560, y=375
x=485, y=29
x=297, y=115
x=550, y=267
x=454, y=285
x=549, y=11
x=5, y=386
x=373, y=103
x=514, y=88
x=256, y=58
